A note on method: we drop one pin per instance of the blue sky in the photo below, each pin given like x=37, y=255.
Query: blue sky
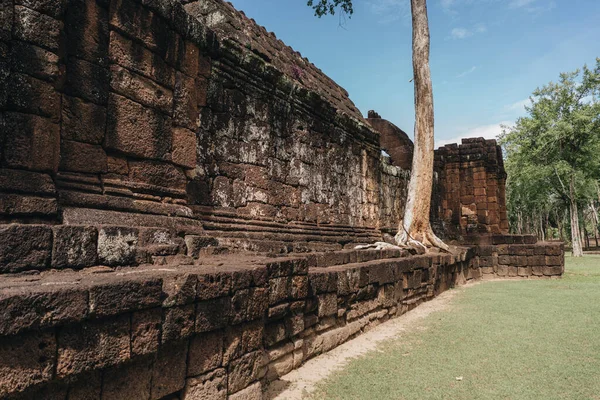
x=487, y=56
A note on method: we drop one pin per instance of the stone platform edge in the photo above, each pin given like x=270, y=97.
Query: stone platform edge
x=223, y=326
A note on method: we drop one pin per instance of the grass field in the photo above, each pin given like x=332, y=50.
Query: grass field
x=535, y=339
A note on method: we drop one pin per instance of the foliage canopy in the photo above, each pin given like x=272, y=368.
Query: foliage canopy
x=553, y=154
x=324, y=7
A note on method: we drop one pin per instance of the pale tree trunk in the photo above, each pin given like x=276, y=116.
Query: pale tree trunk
x=575, y=233
x=542, y=232
x=594, y=220
x=415, y=229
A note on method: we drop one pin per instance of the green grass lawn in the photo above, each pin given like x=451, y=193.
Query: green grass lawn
x=529, y=339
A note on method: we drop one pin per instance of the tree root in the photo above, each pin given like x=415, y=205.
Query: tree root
x=404, y=241
x=378, y=246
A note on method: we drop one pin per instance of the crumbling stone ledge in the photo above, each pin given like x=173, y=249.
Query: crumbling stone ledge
x=219, y=327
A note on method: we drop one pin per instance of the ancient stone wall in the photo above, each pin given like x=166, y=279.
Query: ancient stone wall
x=137, y=106
x=199, y=332
x=393, y=140
x=470, y=197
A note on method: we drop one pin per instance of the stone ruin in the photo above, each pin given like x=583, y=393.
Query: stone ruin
x=180, y=195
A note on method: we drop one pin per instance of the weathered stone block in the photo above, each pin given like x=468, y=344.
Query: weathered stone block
x=86, y=30
x=86, y=80
x=140, y=89
x=209, y=386
x=184, y=147
x=87, y=387
x=137, y=58
x=206, y=353
x=524, y=271
x=39, y=29
x=145, y=26
x=179, y=322
x=24, y=247
x=252, y=392
x=294, y=324
x=92, y=345
x=14, y=180
x=82, y=121
x=168, y=375
x=33, y=96
x=137, y=130
x=322, y=282
x=328, y=304
x=116, y=295
x=53, y=8
x=32, y=60
x=117, y=245
x=242, y=339
x=300, y=287
x=185, y=98
x=502, y=270
x=245, y=370
x=179, y=290
x=555, y=249
x=537, y=270
x=212, y=314
x=26, y=360
x=33, y=142
x=280, y=289
x=82, y=157
x=160, y=241
x=145, y=331
x=248, y=305
x=188, y=58
x=130, y=381
x=553, y=271
x=195, y=244
x=274, y=333
x=74, y=246
x=158, y=174
x=29, y=309
x=536, y=260
x=554, y=260
x=117, y=165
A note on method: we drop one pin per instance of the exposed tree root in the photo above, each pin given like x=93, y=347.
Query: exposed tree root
x=410, y=242
x=378, y=246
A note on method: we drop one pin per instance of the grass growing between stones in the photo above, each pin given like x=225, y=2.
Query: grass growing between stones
x=531, y=339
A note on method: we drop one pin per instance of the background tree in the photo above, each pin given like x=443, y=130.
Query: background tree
x=553, y=153
x=415, y=228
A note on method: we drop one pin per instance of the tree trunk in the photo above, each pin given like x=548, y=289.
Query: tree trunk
x=542, y=231
x=594, y=220
x=415, y=229
x=559, y=222
x=575, y=233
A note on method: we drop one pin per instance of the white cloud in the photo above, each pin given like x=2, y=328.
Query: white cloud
x=532, y=6
x=390, y=10
x=480, y=28
x=447, y=3
x=467, y=72
x=485, y=131
x=463, y=33
x=460, y=33
x=518, y=105
x=448, y=6
x=520, y=3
